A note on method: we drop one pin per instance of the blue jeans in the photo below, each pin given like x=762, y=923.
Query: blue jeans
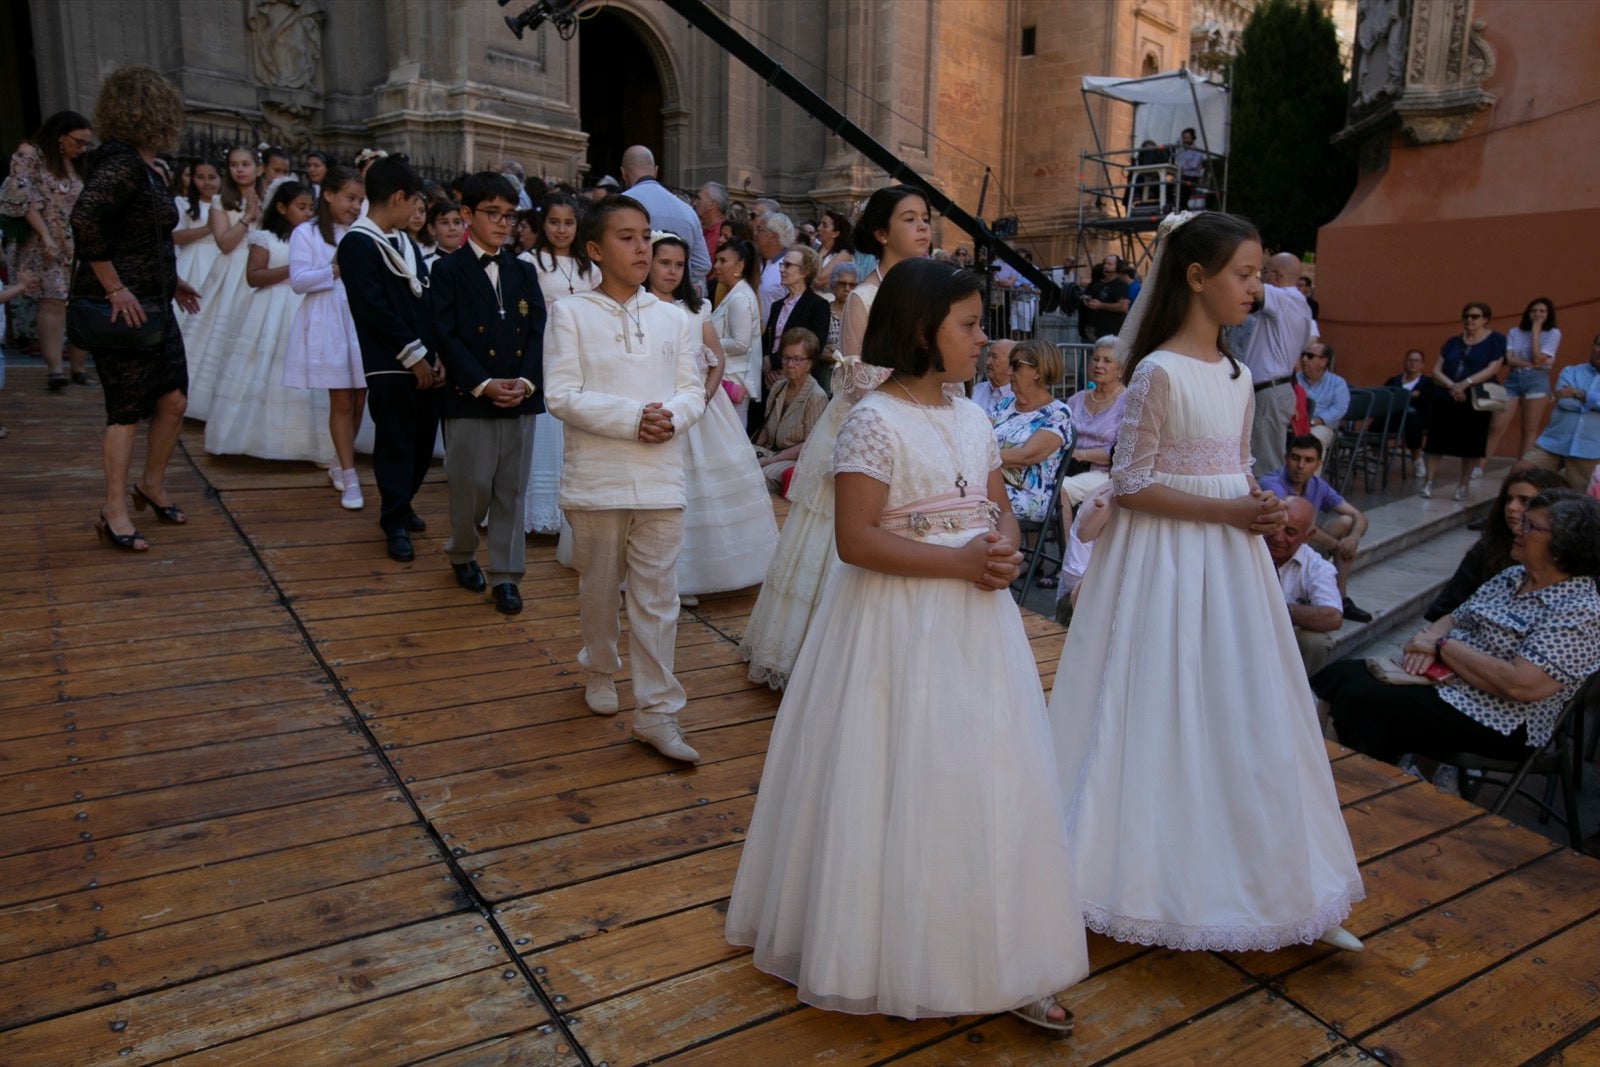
x=1525, y=383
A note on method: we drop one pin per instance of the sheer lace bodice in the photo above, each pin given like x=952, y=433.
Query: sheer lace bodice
x=1184, y=418
x=915, y=449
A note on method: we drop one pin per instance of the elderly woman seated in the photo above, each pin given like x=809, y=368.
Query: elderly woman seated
x=1096, y=415
x=793, y=407
x=1032, y=428
x=1515, y=652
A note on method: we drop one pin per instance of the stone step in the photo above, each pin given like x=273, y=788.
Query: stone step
x=1398, y=588
x=1398, y=526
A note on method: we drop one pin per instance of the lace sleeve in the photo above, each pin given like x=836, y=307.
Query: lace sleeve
x=865, y=446
x=1139, y=437
x=855, y=379
x=1247, y=462
x=260, y=239
x=105, y=206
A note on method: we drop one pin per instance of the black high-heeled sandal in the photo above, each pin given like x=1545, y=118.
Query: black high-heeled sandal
x=56, y=382
x=171, y=514
x=133, y=542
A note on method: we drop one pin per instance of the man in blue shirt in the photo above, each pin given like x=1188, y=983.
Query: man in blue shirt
x=667, y=210
x=1330, y=392
x=1340, y=537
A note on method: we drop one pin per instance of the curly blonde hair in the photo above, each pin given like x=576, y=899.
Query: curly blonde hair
x=137, y=106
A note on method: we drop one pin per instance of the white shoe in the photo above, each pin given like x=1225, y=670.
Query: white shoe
x=352, y=499
x=1460, y=494
x=1427, y=490
x=1448, y=779
x=688, y=602
x=666, y=737
x=1339, y=937
x=1419, y=469
x=1477, y=472
x=336, y=476
x=600, y=694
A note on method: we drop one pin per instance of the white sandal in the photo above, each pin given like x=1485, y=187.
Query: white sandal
x=1038, y=1013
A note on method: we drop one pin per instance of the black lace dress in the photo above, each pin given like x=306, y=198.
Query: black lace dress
x=126, y=215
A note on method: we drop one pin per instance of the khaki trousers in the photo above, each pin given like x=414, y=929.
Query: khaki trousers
x=640, y=548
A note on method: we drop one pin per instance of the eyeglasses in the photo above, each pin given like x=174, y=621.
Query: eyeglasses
x=495, y=217
x=81, y=142
x=790, y=263
x=1531, y=527
x=1469, y=316
x=787, y=360
x=1015, y=363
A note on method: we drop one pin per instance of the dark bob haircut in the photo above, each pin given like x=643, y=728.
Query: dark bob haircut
x=912, y=303
x=484, y=186
x=876, y=215
x=1574, y=530
x=593, y=225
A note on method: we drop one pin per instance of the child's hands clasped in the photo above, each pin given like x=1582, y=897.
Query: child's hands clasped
x=993, y=559
x=1259, y=513
x=655, y=425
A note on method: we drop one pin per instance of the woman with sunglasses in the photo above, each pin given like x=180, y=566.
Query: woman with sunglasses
x=1455, y=427
x=1032, y=428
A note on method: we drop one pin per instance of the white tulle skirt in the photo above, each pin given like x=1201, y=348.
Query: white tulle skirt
x=907, y=853
x=729, y=533
x=806, y=556
x=252, y=412
x=207, y=336
x=542, y=507
x=1199, y=796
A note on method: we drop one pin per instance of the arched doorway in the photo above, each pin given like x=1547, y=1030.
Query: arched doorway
x=620, y=94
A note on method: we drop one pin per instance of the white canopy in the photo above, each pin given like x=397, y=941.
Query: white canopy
x=1164, y=104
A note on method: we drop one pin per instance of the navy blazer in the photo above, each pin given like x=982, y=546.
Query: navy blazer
x=391, y=324
x=473, y=339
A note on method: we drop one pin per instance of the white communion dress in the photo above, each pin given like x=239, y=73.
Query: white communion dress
x=224, y=295
x=559, y=278
x=908, y=854
x=1199, y=796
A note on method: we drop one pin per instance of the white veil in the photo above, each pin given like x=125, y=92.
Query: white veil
x=1130, y=324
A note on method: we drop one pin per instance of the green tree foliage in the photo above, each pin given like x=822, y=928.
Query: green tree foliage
x=1289, y=94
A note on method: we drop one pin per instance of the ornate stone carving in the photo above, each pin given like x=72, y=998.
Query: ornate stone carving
x=286, y=39
x=1420, y=66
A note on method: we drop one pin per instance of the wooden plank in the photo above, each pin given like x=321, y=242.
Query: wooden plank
x=97, y=779
x=619, y=761
x=1114, y=1010
x=93, y=820
x=1396, y=818
x=404, y=1028
x=1519, y=1009
x=527, y=1048
x=576, y=857
x=115, y=709
x=806, y=1035
x=80, y=976
x=36, y=634
x=226, y=1007
x=49, y=872
x=1443, y=947
x=1260, y=1028
x=99, y=913
x=1357, y=778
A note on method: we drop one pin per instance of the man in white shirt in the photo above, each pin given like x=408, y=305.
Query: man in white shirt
x=1269, y=343
x=1310, y=583
x=667, y=211
x=774, y=235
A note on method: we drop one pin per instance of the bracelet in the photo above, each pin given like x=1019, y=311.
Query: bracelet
x=114, y=292
x=1438, y=647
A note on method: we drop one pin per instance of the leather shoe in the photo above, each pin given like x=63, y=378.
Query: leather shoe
x=507, y=601
x=469, y=577
x=400, y=549
x=666, y=737
x=600, y=694
x=415, y=524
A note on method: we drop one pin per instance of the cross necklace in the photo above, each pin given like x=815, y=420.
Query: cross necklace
x=637, y=319
x=961, y=479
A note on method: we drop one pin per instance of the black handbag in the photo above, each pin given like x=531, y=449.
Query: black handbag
x=89, y=326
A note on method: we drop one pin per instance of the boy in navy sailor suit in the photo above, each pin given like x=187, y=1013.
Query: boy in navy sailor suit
x=489, y=315
x=386, y=283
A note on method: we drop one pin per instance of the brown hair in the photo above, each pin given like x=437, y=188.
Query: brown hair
x=139, y=107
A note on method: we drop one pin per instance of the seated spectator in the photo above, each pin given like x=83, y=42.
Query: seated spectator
x=1412, y=377
x=994, y=388
x=793, y=408
x=799, y=306
x=1491, y=552
x=1571, y=443
x=1327, y=390
x=1096, y=415
x=1303, y=283
x=844, y=279
x=1032, y=429
x=1310, y=583
x=1340, y=537
x=1517, y=650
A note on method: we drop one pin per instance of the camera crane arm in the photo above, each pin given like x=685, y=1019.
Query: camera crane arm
x=564, y=14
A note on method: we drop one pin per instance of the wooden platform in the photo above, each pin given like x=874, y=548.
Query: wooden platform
x=266, y=797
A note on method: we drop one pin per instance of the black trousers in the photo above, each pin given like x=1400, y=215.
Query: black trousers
x=405, y=424
x=1387, y=721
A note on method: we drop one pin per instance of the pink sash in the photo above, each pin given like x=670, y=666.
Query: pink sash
x=947, y=512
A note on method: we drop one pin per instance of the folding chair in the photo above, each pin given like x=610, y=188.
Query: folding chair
x=1050, y=528
x=1562, y=758
x=1394, y=433
x=1354, y=442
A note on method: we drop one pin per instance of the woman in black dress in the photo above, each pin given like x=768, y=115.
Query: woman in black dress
x=123, y=226
x=1455, y=428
